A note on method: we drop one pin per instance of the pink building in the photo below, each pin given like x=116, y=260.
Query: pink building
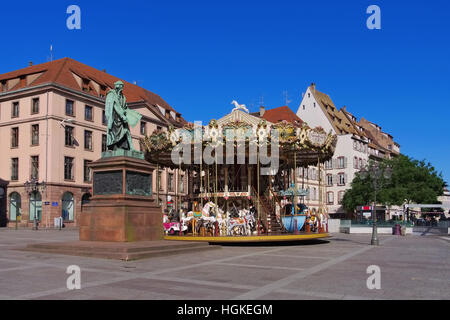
x=52, y=125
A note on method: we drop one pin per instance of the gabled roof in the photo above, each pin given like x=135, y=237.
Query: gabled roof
x=340, y=123
x=65, y=72
x=283, y=113
x=380, y=138
x=238, y=116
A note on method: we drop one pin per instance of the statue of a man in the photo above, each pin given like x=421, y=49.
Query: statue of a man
x=119, y=117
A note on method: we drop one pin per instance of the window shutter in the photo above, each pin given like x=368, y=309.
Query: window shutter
x=345, y=162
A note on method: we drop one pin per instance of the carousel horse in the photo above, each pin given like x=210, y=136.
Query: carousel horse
x=203, y=222
x=221, y=224
x=237, y=226
x=251, y=222
x=323, y=222
x=314, y=222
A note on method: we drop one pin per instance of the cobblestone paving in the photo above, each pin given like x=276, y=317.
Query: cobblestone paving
x=412, y=267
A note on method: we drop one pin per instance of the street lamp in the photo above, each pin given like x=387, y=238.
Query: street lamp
x=375, y=172
x=32, y=187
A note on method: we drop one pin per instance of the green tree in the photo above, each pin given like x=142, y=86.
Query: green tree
x=411, y=181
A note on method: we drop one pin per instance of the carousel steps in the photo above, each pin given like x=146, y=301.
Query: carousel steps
x=272, y=222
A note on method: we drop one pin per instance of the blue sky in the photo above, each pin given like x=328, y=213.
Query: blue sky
x=201, y=55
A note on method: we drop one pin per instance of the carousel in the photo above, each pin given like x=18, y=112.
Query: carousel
x=242, y=178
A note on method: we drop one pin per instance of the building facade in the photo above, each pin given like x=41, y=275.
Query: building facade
x=53, y=124
x=355, y=144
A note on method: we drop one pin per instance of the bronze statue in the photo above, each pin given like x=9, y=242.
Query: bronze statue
x=119, y=117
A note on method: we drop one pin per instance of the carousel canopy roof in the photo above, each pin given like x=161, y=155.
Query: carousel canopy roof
x=299, y=143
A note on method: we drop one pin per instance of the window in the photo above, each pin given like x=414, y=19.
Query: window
x=67, y=206
x=314, y=104
x=329, y=180
x=88, y=113
x=330, y=197
x=87, y=140
x=34, y=167
x=170, y=182
x=14, y=137
x=341, y=162
x=340, y=196
x=143, y=128
x=68, y=168
x=35, y=106
x=69, y=138
x=329, y=164
x=104, y=147
x=14, y=206
x=15, y=169
x=181, y=184
x=159, y=180
x=303, y=107
x=355, y=162
x=15, y=110
x=104, y=121
x=35, y=134
x=102, y=91
x=309, y=95
x=341, y=179
x=69, y=107
x=158, y=128
x=87, y=171
x=360, y=163
x=35, y=206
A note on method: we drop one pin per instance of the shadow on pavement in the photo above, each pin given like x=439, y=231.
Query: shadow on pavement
x=271, y=243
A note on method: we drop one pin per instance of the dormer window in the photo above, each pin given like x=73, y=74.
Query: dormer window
x=85, y=85
x=102, y=91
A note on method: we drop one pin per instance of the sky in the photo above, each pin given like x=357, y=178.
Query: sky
x=201, y=55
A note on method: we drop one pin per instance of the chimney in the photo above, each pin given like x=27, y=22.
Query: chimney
x=262, y=110
x=313, y=87
x=30, y=63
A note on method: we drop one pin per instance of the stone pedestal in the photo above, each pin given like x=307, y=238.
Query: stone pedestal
x=122, y=208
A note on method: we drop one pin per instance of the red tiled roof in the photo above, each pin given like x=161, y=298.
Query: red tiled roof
x=276, y=115
x=61, y=72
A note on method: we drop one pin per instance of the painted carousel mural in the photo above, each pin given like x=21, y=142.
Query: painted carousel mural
x=242, y=178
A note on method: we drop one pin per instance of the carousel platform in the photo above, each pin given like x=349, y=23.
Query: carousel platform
x=282, y=237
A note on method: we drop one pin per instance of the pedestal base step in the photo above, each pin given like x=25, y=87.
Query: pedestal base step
x=119, y=250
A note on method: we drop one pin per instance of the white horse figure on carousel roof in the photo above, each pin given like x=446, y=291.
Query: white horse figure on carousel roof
x=238, y=106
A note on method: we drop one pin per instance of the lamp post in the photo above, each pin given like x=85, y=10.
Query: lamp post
x=32, y=187
x=375, y=172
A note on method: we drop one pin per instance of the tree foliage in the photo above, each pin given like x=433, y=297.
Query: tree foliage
x=412, y=181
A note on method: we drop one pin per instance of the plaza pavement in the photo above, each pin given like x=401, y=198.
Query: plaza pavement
x=412, y=267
